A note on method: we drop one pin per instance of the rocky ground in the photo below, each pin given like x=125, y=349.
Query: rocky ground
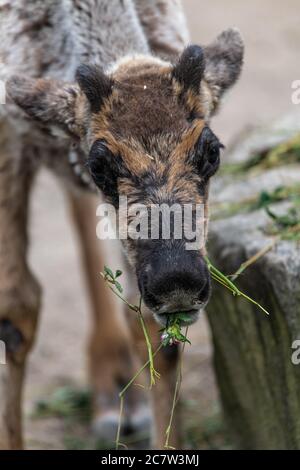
x=272, y=38
x=256, y=217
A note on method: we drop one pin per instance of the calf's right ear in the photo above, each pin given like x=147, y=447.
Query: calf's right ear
x=61, y=105
x=51, y=102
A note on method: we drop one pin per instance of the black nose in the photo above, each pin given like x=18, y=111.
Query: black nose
x=175, y=282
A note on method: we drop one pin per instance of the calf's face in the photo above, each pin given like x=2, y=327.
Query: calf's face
x=152, y=144
x=146, y=130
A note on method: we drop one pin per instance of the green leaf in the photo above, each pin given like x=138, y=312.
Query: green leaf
x=108, y=272
x=290, y=219
x=182, y=317
x=118, y=286
x=185, y=340
x=118, y=273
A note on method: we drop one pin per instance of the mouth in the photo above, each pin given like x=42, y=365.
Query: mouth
x=190, y=317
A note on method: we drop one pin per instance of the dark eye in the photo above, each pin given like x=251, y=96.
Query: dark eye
x=105, y=169
x=207, y=153
x=213, y=154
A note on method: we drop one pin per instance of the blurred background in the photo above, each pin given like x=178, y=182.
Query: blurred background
x=272, y=38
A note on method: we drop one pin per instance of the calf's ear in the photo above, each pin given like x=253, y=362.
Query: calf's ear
x=61, y=105
x=223, y=63
x=189, y=70
x=217, y=65
x=95, y=84
x=50, y=102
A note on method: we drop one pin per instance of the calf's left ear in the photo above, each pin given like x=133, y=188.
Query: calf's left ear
x=51, y=102
x=223, y=63
x=218, y=65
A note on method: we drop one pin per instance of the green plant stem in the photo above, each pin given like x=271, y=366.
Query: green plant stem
x=220, y=281
x=226, y=282
x=118, y=443
x=110, y=280
x=139, y=372
x=220, y=275
x=124, y=390
x=132, y=307
x=175, y=396
x=153, y=373
x=138, y=309
x=253, y=259
x=253, y=302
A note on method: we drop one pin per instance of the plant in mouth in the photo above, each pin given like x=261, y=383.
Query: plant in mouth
x=172, y=333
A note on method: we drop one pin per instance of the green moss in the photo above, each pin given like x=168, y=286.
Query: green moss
x=286, y=153
x=263, y=200
x=66, y=402
x=286, y=226
x=208, y=433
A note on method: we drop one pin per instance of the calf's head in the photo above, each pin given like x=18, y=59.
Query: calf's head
x=145, y=128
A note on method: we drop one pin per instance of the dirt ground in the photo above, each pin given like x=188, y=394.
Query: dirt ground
x=272, y=36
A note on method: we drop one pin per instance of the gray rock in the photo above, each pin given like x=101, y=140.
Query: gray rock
x=259, y=385
x=262, y=138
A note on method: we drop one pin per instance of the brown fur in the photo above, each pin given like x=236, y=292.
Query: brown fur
x=150, y=121
x=146, y=119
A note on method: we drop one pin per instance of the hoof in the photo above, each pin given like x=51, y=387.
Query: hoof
x=140, y=421
x=105, y=426
x=135, y=428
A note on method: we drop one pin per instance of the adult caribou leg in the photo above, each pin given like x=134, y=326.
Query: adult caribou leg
x=111, y=357
x=19, y=291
